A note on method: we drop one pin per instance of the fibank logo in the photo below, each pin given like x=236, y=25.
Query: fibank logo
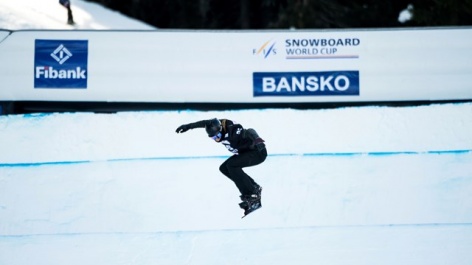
x=268, y=48
x=61, y=54
x=330, y=83
x=60, y=63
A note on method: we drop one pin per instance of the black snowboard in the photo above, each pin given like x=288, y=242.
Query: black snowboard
x=254, y=208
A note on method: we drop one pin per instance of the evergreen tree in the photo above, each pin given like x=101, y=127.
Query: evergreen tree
x=284, y=14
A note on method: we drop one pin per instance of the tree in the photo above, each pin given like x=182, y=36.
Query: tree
x=442, y=13
x=300, y=14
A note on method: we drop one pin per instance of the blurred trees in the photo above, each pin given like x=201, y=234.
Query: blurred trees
x=301, y=14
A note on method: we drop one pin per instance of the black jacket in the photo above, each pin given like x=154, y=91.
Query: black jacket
x=234, y=137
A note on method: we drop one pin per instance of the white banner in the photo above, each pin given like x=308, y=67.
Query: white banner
x=237, y=66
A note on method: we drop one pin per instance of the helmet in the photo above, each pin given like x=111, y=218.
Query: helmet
x=213, y=127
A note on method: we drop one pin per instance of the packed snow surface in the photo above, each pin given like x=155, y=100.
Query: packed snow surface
x=370, y=185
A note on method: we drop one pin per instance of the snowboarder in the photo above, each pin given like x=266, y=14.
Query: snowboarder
x=66, y=4
x=248, y=150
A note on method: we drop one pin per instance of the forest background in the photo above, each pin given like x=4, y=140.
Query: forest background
x=294, y=14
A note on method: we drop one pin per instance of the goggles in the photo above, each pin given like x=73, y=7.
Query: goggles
x=216, y=136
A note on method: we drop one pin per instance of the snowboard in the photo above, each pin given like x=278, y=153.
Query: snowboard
x=252, y=210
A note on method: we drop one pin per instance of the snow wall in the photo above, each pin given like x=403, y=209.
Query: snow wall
x=79, y=173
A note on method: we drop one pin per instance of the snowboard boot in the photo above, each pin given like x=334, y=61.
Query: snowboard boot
x=250, y=205
x=250, y=202
x=244, y=205
x=257, y=190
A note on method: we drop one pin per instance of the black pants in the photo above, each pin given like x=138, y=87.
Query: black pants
x=233, y=169
x=70, y=18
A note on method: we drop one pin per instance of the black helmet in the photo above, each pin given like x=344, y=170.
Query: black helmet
x=213, y=127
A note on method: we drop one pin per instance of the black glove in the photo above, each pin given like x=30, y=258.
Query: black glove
x=182, y=128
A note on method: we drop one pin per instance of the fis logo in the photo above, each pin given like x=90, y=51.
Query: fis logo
x=332, y=83
x=60, y=64
x=265, y=50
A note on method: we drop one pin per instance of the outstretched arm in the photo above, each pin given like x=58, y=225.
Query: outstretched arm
x=185, y=127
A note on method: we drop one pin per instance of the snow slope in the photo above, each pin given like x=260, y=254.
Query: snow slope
x=371, y=185
x=49, y=14
x=376, y=129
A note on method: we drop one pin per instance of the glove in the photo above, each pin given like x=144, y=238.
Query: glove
x=182, y=128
